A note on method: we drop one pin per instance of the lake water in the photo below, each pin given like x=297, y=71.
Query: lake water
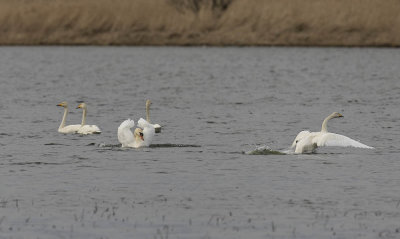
x=227, y=101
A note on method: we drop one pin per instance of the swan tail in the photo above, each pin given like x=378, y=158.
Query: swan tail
x=89, y=129
x=95, y=129
x=157, y=128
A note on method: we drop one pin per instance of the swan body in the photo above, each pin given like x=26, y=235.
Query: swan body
x=139, y=138
x=85, y=128
x=67, y=129
x=306, y=141
x=148, y=131
x=157, y=127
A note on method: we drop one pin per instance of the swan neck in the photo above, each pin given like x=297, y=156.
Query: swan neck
x=148, y=113
x=324, y=127
x=62, y=125
x=83, y=117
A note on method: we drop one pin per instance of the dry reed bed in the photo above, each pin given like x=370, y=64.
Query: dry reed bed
x=201, y=22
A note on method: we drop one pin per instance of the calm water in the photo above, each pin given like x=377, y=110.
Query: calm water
x=228, y=101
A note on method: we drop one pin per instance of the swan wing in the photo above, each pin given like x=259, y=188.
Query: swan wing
x=306, y=144
x=148, y=131
x=142, y=123
x=331, y=139
x=73, y=128
x=89, y=129
x=303, y=134
x=125, y=135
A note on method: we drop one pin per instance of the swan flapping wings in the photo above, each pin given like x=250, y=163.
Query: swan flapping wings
x=125, y=135
x=141, y=137
x=307, y=141
x=148, y=131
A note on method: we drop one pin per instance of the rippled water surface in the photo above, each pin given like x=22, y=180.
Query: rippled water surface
x=227, y=101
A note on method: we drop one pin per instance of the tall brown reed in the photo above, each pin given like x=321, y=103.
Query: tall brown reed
x=201, y=22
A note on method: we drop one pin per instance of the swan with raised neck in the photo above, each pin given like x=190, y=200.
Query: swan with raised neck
x=86, y=129
x=324, y=127
x=69, y=128
x=306, y=141
x=157, y=127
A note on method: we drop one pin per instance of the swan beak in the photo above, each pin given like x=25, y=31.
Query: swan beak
x=59, y=104
x=340, y=115
x=141, y=136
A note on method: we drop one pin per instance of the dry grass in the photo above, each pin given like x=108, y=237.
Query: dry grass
x=201, y=22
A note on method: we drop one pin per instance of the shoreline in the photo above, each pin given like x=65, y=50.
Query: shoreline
x=297, y=23
x=206, y=46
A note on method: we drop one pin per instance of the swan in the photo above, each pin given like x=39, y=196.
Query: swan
x=85, y=128
x=307, y=141
x=139, y=138
x=157, y=127
x=69, y=128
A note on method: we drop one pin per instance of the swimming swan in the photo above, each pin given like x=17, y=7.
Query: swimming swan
x=85, y=128
x=69, y=128
x=157, y=127
x=140, y=137
x=307, y=141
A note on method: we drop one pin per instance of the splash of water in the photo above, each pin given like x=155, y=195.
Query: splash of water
x=264, y=150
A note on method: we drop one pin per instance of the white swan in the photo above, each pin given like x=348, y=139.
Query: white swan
x=69, y=128
x=307, y=141
x=140, y=137
x=85, y=128
x=157, y=127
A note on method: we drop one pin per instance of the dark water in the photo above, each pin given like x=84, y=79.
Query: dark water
x=228, y=101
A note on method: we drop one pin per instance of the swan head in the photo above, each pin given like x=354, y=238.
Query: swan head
x=138, y=134
x=82, y=106
x=336, y=115
x=63, y=104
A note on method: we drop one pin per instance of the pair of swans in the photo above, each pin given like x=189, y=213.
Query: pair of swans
x=142, y=136
x=82, y=128
x=307, y=142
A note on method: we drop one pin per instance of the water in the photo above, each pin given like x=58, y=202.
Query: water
x=226, y=100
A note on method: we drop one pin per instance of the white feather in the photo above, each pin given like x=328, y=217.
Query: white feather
x=85, y=128
x=125, y=135
x=331, y=139
x=67, y=129
x=307, y=141
x=148, y=131
x=73, y=128
x=89, y=129
x=300, y=136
